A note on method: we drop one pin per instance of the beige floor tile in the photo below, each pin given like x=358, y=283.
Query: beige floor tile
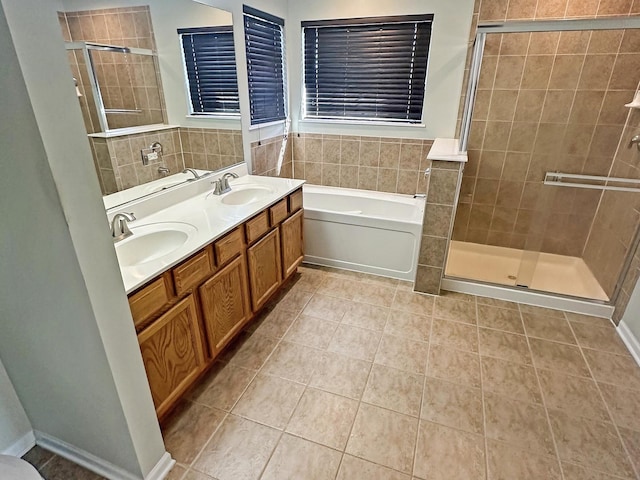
x=312, y=332
x=354, y=468
x=518, y=423
x=576, y=396
x=575, y=472
x=590, y=443
x=360, y=343
x=413, y=303
x=342, y=375
x=454, y=334
x=338, y=287
x=274, y=323
x=188, y=429
x=623, y=404
x=599, y=338
x=222, y=386
x=324, y=418
x=631, y=440
x=293, y=362
x=615, y=369
x=374, y=424
x=295, y=300
x=448, y=294
x=375, y=294
x=403, y=354
x=364, y=315
x=239, y=450
x=558, y=356
x=588, y=319
x=403, y=324
x=176, y=473
x=308, y=279
x=250, y=351
x=269, y=400
x=549, y=312
x=405, y=286
x=194, y=475
x=494, y=302
x=509, y=463
x=394, y=389
x=38, y=457
x=378, y=280
x=452, y=405
x=443, y=453
x=327, y=308
x=456, y=310
x=296, y=458
x=503, y=345
x=510, y=379
x=500, y=319
x=454, y=365
x=548, y=328
x=59, y=468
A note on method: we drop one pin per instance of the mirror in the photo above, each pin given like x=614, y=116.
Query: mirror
x=128, y=65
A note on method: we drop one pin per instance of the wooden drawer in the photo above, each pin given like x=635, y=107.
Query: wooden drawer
x=190, y=273
x=278, y=212
x=295, y=201
x=257, y=226
x=228, y=247
x=150, y=300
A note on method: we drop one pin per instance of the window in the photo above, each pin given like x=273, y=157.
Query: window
x=371, y=69
x=210, y=61
x=265, y=66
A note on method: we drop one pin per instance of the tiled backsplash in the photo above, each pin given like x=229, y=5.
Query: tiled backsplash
x=371, y=163
x=119, y=160
x=265, y=155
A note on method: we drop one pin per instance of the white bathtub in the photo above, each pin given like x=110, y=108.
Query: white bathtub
x=361, y=230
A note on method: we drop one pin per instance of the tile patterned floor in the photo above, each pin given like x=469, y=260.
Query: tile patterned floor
x=349, y=377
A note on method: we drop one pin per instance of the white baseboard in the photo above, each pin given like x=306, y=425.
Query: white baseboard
x=98, y=465
x=630, y=340
x=21, y=446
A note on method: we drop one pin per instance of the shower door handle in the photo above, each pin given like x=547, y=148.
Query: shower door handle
x=635, y=140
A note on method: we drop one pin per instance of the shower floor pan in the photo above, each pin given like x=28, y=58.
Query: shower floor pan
x=553, y=273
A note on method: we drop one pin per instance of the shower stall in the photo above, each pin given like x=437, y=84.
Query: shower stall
x=118, y=87
x=550, y=197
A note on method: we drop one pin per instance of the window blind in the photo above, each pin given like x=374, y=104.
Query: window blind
x=366, y=69
x=265, y=66
x=210, y=61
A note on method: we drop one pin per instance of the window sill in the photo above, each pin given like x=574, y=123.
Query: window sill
x=215, y=117
x=362, y=122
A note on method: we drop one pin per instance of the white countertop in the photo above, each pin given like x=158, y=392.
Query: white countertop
x=203, y=211
x=447, y=150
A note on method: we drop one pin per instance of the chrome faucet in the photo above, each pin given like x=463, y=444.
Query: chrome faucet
x=119, y=227
x=164, y=171
x=221, y=185
x=195, y=174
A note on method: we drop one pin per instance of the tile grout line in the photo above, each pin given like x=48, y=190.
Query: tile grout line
x=542, y=397
x=424, y=388
x=482, y=395
x=629, y=458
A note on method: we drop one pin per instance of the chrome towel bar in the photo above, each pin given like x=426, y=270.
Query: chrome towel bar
x=597, y=182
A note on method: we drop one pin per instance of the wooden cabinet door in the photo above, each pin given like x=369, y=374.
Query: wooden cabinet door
x=265, y=270
x=172, y=351
x=225, y=306
x=292, y=243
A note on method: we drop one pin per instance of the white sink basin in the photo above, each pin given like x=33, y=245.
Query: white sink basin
x=245, y=194
x=152, y=242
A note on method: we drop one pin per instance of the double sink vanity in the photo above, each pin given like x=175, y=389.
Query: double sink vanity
x=199, y=266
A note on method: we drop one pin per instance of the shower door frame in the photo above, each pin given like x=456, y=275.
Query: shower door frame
x=95, y=87
x=533, y=26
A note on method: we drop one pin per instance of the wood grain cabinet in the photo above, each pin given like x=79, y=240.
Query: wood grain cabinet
x=265, y=271
x=292, y=243
x=225, y=306
x=188, y=314
x=172, y=351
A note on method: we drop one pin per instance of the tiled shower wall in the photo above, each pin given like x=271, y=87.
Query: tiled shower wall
x=126, y=82
x=119, y=162
x=371, y=163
